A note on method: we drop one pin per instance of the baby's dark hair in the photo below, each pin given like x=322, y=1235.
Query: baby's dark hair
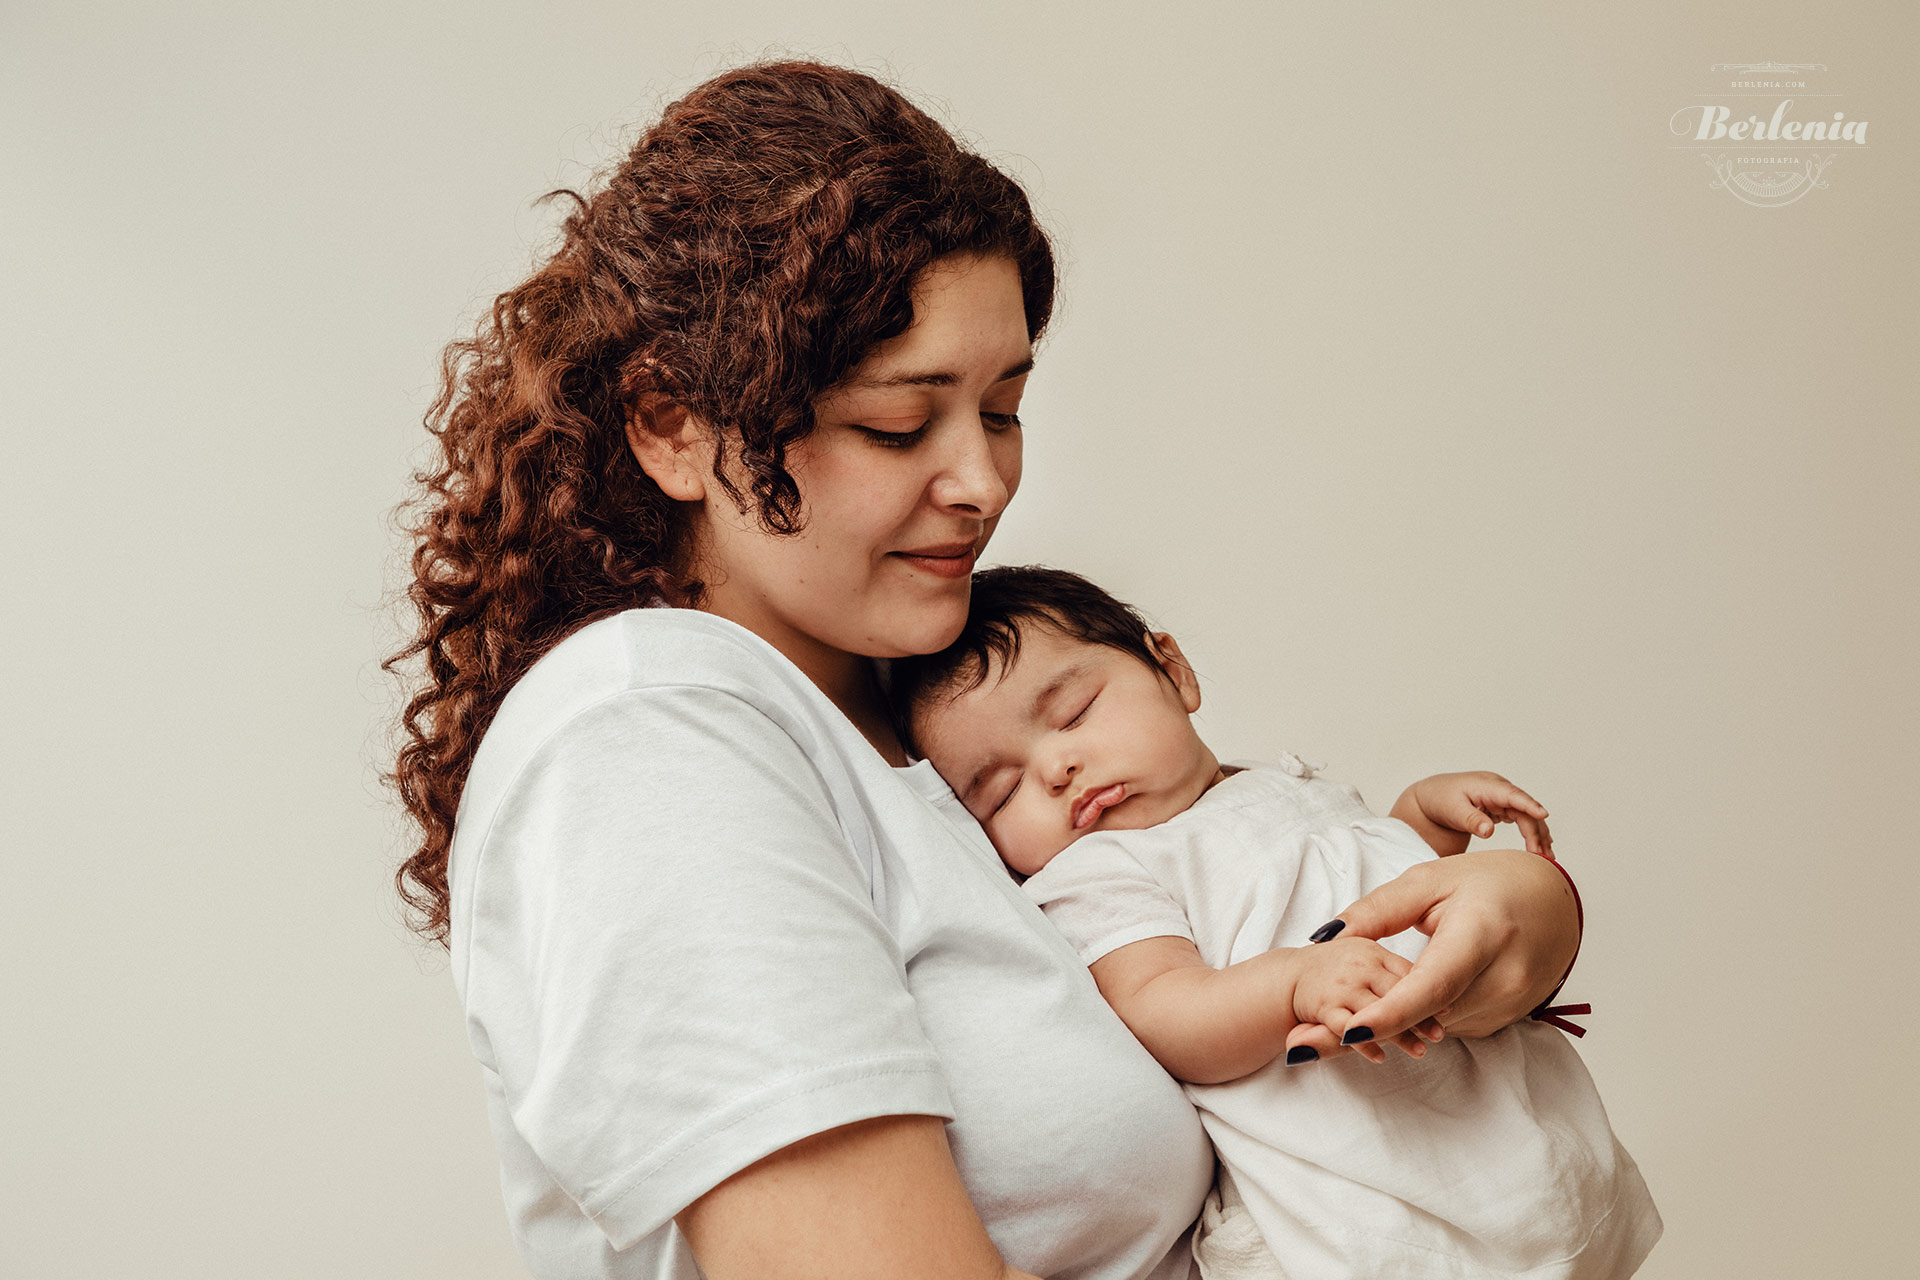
x=1004, y=600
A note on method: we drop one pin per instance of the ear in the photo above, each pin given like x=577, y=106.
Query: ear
x=1174, y=666
x=672, y=446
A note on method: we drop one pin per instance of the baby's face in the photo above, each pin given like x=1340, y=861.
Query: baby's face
x=1074, y=737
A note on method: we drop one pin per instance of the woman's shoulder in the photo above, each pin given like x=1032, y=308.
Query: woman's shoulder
x=660, y=648
x=648, y=680
x=657, y=649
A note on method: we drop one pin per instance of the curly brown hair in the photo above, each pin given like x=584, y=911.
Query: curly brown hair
x=758, y=241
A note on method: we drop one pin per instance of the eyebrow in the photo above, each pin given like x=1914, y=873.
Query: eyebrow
x=932, y=379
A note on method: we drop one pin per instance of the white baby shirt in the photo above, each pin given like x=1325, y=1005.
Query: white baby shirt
x=696, y=918
x=1485, y=1158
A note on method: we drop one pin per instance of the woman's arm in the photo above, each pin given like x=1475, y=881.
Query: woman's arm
x=1504, y=926
x=876, y=1199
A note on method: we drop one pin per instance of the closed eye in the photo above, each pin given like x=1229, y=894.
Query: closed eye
x=1083, y=711
x=893, y=439
x=1003, y=799
x=1000, y=421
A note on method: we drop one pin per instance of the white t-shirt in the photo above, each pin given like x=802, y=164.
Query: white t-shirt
x=696, y=917
x=1485, y=1158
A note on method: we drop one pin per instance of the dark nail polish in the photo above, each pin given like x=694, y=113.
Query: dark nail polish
x=1301, y=1053
x=1356, y=1035
x=1328, y=930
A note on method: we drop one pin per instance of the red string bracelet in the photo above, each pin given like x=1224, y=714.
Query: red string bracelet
x=1554, y=1015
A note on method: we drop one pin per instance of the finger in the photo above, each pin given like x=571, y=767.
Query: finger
x=1539, y=840
x=1311, y=1041
x=1354, y=1036
x=1431, y=1031
x=1396, y=906
x=1361, y=1040
x=1515, y=798
x=1337, y=1018
x=1376, y=984
x=1445, y=970
x=1410, y=1044
x=1460, y=811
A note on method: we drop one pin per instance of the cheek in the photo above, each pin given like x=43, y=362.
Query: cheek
x=852, y=490
x=1034, y=837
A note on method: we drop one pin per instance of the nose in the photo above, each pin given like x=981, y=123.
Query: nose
x=980, y=469
x=1060, y=767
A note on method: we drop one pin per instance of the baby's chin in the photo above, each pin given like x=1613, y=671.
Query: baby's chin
x=1027, y=862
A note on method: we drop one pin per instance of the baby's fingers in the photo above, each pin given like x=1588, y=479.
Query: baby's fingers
x=1414, y=1040
x=1459, y=811
x=1410, y=1044
x=1493, y=791
x=1539, y=839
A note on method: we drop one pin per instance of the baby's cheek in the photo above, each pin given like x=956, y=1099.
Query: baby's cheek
x=1022, y=847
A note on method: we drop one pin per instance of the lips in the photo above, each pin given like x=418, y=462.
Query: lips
x=943, y=559
x=1091, y=804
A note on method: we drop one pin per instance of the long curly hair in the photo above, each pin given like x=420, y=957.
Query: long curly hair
x=757, y=242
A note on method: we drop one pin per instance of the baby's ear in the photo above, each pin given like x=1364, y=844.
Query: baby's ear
x=1174, y=666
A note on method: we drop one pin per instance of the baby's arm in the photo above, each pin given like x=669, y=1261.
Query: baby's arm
x=1449, y=809
x=1207, y=1025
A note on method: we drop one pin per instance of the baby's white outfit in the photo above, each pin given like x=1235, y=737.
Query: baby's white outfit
x=1485, y=1158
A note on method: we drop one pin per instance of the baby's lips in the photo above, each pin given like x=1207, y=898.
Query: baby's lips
x=1099, y=802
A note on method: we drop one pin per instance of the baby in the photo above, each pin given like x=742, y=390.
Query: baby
x=1193, y=892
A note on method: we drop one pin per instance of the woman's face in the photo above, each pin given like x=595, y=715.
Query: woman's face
x=914, y=456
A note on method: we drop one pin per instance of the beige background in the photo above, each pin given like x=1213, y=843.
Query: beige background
x=1447, y=415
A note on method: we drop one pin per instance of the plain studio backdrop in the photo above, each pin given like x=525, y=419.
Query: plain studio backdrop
x=1406, y=371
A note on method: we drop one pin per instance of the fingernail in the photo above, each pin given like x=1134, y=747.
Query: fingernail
x=1301, y=1053
x=1328, y=930
x=1356, y=1035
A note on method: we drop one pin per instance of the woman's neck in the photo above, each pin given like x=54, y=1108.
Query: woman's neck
x=848, y=679
x=851, y=684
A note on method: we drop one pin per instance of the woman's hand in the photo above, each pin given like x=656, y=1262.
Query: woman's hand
x=1504, y=927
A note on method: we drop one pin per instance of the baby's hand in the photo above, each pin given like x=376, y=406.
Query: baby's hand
x=1335, y=979
x=1471, y=803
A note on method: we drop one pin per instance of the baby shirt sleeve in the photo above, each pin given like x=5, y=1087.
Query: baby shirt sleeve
x=673, y=960
x=1097, y=893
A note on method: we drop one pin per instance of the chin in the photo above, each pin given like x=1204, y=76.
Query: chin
x=933, y=629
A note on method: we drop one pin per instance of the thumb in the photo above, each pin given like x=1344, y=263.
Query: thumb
x=1396, y=906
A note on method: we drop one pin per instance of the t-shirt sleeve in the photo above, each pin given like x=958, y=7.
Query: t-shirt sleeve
x=675, y=964
x=1097, y=893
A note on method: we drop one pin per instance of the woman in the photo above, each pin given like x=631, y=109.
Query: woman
x=746, y=988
